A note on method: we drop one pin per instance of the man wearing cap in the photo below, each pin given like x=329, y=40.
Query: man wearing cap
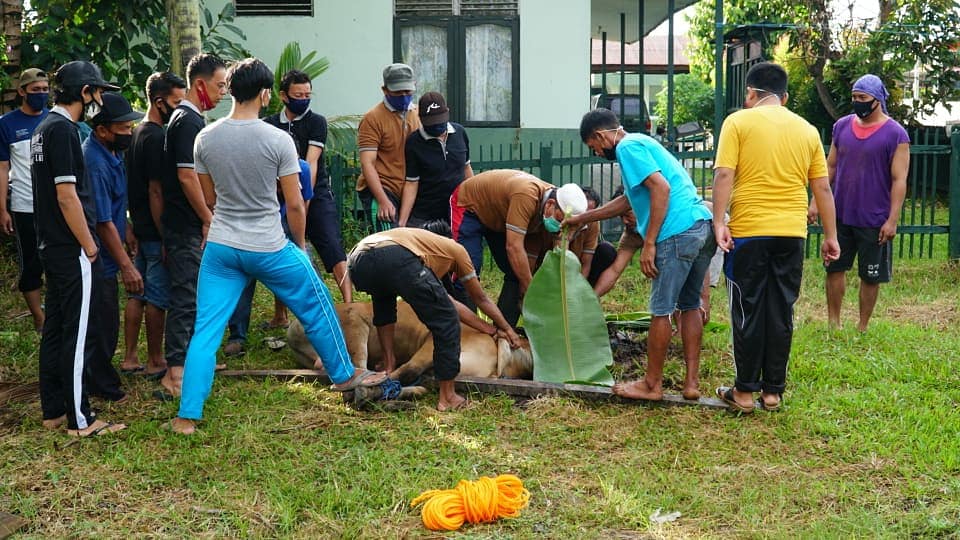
x=503, y=207
x=437, y=160
x=381, y=136
x=68, y=247
x=409, y=263
x=16, y=128
x=186, y=217
x=678, y=242
x=103, y=156
x=868, y=164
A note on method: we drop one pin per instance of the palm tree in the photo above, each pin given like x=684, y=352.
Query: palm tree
x=183, y=16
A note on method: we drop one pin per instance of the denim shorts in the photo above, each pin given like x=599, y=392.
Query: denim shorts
x=156, y=281
x=682, y=261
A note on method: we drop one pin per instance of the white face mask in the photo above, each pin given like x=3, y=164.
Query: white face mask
x=92, y=109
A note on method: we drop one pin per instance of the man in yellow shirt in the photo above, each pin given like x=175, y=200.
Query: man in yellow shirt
x=766, y=157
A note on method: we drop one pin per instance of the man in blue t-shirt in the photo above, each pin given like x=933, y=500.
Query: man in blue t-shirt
x=16, y=128
x=678, y=242
x=102, y=153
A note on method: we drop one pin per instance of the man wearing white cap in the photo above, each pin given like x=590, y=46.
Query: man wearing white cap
x=503, y=207
x=678, y=243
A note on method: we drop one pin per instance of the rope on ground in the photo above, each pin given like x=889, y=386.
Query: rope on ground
x=482, y=501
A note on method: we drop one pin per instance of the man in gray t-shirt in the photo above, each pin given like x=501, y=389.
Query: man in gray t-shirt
x=239, y=160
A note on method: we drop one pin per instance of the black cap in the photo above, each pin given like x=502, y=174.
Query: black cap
x=433, y=109
x=115, y=108
x=81, y=73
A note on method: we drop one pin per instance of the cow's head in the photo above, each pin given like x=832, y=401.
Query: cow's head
x=514, y=363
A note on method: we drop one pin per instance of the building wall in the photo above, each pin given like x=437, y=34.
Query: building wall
x=357, y=38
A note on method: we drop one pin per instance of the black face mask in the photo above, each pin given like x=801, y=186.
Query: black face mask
x=610, y=153
x=120, y=142
x=864, y=109
x=165, y=112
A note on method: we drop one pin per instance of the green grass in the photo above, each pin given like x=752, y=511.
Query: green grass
x=868, y=445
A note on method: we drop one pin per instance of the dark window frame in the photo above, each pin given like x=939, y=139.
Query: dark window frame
x=456, y=60
x=296, y=6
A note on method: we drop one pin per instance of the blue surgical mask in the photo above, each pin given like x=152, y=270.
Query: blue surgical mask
x=298, y=106
x=399, y=103
x=435, y=130
x=551, y=224
x=37, y=100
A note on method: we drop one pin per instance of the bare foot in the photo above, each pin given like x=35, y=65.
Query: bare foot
x=770, y=402
x=691, y=392
x=98, y=427
x=55, y=423
x=638, y=389
x=183, y=426
x=453, y=405
x=171, y=386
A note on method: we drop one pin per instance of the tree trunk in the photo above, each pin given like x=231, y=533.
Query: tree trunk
x=12, y=13
x=183, y=16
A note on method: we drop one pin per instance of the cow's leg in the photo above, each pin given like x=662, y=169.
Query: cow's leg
x=421, y=361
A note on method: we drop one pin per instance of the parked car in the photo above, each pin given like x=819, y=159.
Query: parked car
x=634, y=115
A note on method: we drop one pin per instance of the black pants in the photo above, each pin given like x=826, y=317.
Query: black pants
x=603, y=257
x=69, y=301
x=391, y=271
x=763, y=281
x=183, y=265
x=323, y=228
x=31, y=271
x=102, y=379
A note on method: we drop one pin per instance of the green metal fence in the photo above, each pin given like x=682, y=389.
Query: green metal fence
x=933, y=184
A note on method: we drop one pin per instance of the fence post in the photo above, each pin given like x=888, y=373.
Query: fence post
x=953, y=244
x=336, y=183
x=546, y=163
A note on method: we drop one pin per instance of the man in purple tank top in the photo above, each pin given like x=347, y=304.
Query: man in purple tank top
x=868, y=163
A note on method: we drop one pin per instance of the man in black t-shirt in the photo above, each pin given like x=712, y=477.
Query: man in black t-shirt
x=186, y=217
x=64, y=211
x=309, y=131
x=145, y=162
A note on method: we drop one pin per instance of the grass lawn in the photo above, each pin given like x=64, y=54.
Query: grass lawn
x=868, y=444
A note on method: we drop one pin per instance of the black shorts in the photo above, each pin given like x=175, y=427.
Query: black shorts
x=323, y=229
x=874, y=260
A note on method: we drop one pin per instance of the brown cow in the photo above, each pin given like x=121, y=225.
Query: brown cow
x=480, y=355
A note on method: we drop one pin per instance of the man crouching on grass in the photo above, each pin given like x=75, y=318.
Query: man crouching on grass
x=238, y=160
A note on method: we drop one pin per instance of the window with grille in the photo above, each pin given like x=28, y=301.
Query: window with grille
x=469, y=51
x=250, y=8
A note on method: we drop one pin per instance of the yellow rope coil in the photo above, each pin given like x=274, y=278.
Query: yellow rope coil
x=482, y=501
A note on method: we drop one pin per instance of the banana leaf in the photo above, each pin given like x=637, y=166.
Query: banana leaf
x=565, y=324
x=635, y=320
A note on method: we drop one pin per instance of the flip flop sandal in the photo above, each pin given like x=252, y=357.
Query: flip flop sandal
x=274, y=343
x=132, y=371
x=154, y=376
x=363, y=378
x=726, y=394
x=162, y=395
x=106, y=428
x=770, y=408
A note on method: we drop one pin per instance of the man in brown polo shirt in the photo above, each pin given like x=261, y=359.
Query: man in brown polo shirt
x=503, y=207
x=381, y=136
x=410, y=263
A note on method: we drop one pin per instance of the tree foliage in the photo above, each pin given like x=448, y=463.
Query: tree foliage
x=824, y=60
x=693, y=101
x=129, y=40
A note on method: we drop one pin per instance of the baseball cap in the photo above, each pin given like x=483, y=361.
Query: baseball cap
x=570, y=199
x=398, y=77
x=82, y=73
x=30, y=76
x=433, y=109
x=115, y=108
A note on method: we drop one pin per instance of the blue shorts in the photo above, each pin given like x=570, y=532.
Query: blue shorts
x=682, y=261
x=156, y=281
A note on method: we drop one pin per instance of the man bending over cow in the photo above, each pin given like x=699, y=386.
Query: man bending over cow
x=410, y=263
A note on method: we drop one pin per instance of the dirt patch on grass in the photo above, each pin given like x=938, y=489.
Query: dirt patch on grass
x=939, y=314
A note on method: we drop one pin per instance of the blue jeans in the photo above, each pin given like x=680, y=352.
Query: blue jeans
x=156, y=280
x=682, y=261
x=470, y=234
x=224, y=272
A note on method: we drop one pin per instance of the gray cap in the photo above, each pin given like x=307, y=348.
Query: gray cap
x=398, y=78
